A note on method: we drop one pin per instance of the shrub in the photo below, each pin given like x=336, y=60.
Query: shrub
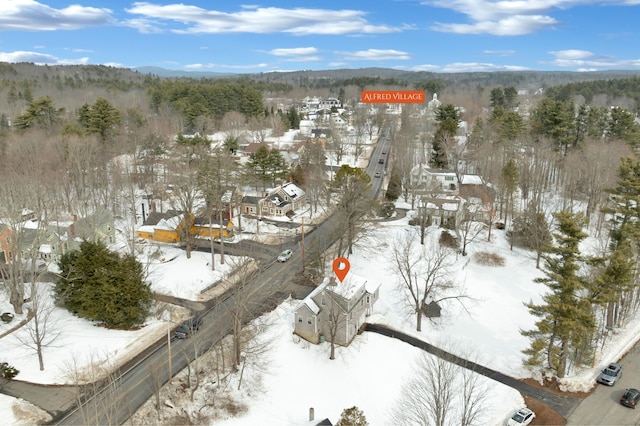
x=8, y=371
x=448, y=240
x=386, y=209
x=489, y=259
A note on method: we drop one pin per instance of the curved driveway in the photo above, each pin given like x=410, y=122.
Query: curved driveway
x=564, y=405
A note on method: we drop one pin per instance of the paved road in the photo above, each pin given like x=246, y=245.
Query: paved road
x=561, y=404
x=114, y=403
x=603, y=407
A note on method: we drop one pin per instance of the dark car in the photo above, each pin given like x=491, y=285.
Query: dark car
x=188, y=327
x=610, y=375
x=381, y=161
x=630, y=398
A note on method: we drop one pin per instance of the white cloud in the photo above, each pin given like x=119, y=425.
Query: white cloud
x=466, y=67
x=295, y=51
x=212, y=66
x=39, y=58
x=145, y=26
x=511, y=26
x=584, y=60
x=261, y=20
x=510, y=17
x=31, y=15
x=572, y=54
x=376, y=55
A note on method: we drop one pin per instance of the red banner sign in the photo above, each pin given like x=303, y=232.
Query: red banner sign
x=393, y=96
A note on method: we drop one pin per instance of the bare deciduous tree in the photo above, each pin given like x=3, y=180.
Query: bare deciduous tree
x=469, y=229
x=425, y=274
x=41, y=330
x=441, y=392
x=428, y=396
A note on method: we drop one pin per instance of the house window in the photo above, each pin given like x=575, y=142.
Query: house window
x=448, y=178
x=309, y=320
x=300, y=320
x=368, y=299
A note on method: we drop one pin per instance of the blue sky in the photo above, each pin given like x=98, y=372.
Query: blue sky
x=414, y=35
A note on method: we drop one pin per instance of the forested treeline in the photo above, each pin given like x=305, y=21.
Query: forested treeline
x=613, y=89
x=211, y=99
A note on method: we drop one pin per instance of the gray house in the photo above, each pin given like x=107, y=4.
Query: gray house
x=59, y=237
x=443, y=210
x=338, y=306
x=278, y=202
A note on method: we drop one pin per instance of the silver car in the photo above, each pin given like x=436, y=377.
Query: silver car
x=285, y=255
x=610, y=375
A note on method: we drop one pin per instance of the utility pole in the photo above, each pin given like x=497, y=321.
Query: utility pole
x=302, y=244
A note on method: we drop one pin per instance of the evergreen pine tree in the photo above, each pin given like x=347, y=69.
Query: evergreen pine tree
x=352, y=417
x=101, y=285
x=565, y=319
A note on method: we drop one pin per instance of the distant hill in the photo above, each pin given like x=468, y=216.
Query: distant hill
x=78, y=76
x=324, y=78
x=163, y=72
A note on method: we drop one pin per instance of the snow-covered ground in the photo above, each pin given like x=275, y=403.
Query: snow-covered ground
x=370, y=372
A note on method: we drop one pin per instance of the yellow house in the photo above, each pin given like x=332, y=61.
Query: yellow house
x=171, y=229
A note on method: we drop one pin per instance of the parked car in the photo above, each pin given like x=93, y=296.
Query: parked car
x=188, y=327
x=522, y=417
x=610, y=375
x=630, y=398
x=285, y=255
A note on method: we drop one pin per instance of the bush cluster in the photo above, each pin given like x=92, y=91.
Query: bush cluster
x=489, y=259
x=8, y=371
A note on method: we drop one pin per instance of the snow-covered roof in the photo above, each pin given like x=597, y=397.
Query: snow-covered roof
x=371, y=286
x=171, y=223
x=348, y=287
x=146, y=228
x=293, y=190
x=471, y=180
x=450, y=206
x=312, y=305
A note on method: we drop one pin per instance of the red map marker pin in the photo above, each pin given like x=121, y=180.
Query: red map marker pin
x=341, y=267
